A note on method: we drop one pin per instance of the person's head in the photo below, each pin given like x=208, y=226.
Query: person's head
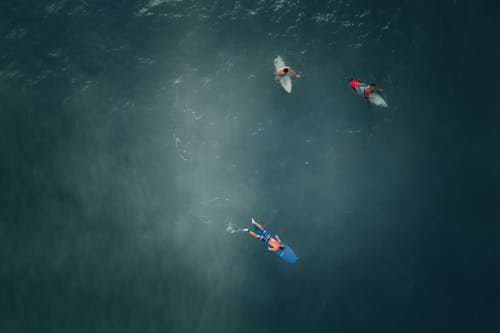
x=282, y=247
x=285, y=70
x=353, y=82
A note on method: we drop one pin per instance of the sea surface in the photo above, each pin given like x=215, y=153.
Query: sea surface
x=138, y=139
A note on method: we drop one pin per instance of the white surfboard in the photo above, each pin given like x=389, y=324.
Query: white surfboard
x=377, y=100
x=373, y=98
x=285, y=80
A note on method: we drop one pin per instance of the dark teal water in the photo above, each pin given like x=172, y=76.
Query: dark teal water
x=139, y=137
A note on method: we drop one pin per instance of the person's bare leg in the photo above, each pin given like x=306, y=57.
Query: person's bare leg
x=257, y=225
x=253, y=234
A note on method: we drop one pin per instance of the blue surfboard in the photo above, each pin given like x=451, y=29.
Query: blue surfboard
x=286, y=254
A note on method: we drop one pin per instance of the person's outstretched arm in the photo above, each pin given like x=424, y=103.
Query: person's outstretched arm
x=374, y=86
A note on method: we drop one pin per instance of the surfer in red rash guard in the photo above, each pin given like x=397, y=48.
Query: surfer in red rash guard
x=363, y=88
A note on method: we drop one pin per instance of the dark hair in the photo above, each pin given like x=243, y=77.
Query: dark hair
x=285, y=70
x=282, y=246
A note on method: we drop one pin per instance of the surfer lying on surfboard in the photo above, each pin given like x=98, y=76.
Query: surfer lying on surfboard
x=363, y=88
x=273, y=243
x=284, y=71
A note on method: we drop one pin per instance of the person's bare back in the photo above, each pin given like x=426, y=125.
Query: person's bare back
x=286, y=70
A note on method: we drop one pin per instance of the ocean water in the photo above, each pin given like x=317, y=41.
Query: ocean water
x=139, y=137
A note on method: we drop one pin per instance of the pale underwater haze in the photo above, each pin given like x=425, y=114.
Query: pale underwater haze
x=138, y=139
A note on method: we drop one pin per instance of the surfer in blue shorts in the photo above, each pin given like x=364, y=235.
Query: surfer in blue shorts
x=274, y=243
